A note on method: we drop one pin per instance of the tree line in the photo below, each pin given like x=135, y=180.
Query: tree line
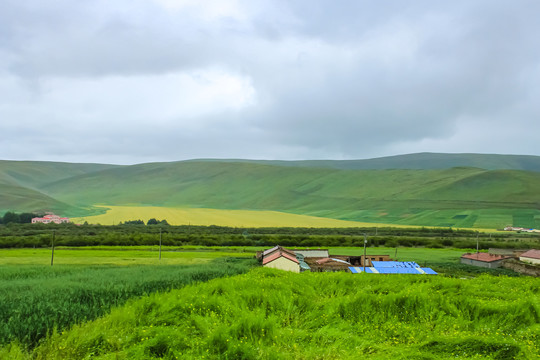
x=11, y=217
x=128, y=234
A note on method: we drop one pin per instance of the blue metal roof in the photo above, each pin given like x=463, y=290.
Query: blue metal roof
x=393, y=267
x=395, y=264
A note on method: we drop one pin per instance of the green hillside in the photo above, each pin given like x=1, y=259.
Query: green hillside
x=419, y=161
x=20, y=183
x=27, y=200
x=417, y=197
x=37, y=173
x=457, y=197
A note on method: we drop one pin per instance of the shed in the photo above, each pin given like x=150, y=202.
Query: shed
x=483, y=260
x=328, y=265
x=532, y=256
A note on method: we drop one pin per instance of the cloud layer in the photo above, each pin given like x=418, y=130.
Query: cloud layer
x=136, y=81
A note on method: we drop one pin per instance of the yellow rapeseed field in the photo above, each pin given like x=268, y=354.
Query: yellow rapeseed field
x=234, y=218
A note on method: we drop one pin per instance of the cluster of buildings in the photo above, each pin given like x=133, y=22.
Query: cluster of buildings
x=520, y=229
x=496, y=257
x=319, y=260
x=50, y=218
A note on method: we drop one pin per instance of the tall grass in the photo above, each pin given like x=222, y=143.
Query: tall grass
x=36, y=300
x=268, y=314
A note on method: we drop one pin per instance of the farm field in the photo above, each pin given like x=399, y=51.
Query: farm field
x=271, y=314
x=188, y=255
x=142, y=255
x=38, y=299
x=444, y=260
x=460, y=217
x=219, y=217
x=259, y=218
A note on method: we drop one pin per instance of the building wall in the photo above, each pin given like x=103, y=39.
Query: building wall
x=522, y=267
x=313, y=253
x=283, y=263
x=492, y=264
x=529, y=260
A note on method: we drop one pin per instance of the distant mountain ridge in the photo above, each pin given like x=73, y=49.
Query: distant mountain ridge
x=417, y=161
x=419, y=189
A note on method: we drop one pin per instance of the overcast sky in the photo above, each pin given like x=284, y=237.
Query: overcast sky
x=132, y=81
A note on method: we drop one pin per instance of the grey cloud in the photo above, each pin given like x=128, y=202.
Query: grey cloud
x=354, y=80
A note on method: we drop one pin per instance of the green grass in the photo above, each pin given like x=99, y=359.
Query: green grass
x=270, y=314
x=444, y=261
x=112, y=255
x=37, y=300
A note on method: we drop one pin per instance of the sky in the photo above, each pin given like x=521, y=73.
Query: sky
x=133, y=81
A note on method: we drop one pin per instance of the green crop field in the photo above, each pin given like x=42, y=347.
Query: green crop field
x=143, y=255
x=36, y=300
x=271, y=314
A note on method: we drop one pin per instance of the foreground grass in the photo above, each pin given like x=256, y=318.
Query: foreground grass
x=269, y=314
x=35, y=300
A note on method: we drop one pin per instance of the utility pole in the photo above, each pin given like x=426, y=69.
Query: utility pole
x=365, y=243
x=52, y=253
x=159, y=243
x=477, y=247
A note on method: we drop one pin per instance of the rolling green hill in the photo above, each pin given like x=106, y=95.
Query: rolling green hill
x=21, y=182
x=419, y=161
x=458, y=196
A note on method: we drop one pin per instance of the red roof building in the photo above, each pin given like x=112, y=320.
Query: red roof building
x=283, y=260
x=277, y=255
x=531, y=256
x=51, y=218
x=483, y=259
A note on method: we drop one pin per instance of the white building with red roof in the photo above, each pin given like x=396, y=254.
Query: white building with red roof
x=50, y=218
x=281, y=258
x=532, y=256
x=483, y=259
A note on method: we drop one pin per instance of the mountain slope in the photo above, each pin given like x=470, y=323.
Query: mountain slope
x=419, y=161
x=20, y=183
x=34, y=174
x=254, y=186
x=21, y=199
x=459, y=196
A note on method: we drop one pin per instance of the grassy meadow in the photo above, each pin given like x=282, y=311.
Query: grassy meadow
x=114, y=255
x=271, y=314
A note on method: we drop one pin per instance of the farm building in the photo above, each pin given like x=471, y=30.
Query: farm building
x=483, y=260
x=51, y=218
x=315, y=260
x=283, y=260
x=393, y=267
x=531, y=256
